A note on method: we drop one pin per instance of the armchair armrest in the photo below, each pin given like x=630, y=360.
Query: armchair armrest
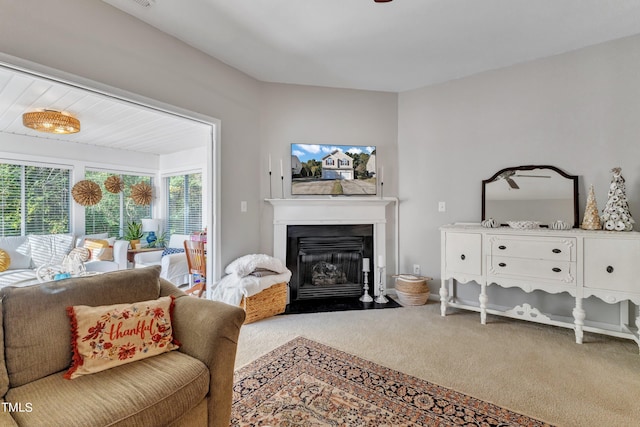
x=174, y=268
x=120, y=253
x=148, y=258
x=208, y=330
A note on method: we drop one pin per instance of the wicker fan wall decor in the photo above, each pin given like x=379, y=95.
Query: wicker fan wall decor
x=141, y=193
x=86, y=193
x=114, y=184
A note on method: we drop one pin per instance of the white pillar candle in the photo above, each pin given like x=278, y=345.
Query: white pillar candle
x=269, y=163
x=281, y=169
x=365, y=265
x=380, y=261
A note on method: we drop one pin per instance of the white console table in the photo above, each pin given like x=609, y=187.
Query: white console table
x=603, y=264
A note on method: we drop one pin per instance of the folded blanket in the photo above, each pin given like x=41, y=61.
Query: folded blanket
x=232, y=287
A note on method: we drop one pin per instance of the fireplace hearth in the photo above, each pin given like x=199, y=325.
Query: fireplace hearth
x=326, y=260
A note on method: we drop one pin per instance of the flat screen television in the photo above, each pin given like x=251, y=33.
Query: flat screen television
x=348, y=170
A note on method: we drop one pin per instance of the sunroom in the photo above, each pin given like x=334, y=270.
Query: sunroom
x=138, y=144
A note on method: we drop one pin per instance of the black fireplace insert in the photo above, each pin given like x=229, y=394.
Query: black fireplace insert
x=326, y=260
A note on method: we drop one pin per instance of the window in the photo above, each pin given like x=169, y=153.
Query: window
x=329, y=162
x=114, y=211
x=34, y=200
x=184, y=203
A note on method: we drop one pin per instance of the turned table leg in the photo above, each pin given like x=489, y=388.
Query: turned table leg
x=578, y=316
x=444, y=297
x=483, y=304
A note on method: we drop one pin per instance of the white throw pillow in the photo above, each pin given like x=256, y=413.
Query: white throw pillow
x=50, y=249
x=245, y=265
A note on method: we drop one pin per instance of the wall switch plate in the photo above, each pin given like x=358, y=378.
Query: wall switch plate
x=416, y=269
x=442, y=207
x=243, y=206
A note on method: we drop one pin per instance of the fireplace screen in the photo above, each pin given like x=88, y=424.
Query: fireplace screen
x=326, y=260
x=329, y=266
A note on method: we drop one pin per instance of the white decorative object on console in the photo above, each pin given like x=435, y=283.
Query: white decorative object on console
x=581, y=263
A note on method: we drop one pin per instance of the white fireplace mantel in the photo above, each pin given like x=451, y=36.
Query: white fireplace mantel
x=333, y=210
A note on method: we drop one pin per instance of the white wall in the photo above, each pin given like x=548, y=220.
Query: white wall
x=96, y=41
x=578, y=111
x=315, y=115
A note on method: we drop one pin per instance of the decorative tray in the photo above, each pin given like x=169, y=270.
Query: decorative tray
x=524, y=225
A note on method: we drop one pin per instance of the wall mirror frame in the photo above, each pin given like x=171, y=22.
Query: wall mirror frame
x=539, y=193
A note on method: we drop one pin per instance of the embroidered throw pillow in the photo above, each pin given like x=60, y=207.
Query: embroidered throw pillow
x=108, y=336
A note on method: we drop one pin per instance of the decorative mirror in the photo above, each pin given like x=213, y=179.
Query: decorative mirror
x=541, y=194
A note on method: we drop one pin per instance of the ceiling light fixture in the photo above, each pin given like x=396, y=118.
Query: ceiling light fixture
x=382, y=1
x=51, y=121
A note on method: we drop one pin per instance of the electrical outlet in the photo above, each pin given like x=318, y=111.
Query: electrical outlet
x=416, y=269
x=243, y=206
x=442, y=207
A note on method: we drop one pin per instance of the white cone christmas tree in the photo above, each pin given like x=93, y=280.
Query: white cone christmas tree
x=616, y=215
x=591, y=220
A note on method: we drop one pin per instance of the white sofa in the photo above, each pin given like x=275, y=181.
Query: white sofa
x=28, y=253
x=174, y=267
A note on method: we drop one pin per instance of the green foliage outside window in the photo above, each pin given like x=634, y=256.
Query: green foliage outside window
x=34, y=200
x=184, y=203
x=114, y=211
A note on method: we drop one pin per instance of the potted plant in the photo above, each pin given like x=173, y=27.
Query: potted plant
x=161, y=241
x=133, y=233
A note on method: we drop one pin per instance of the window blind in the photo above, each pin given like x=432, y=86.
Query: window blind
x=184, y=203
x=34, y=200
x=114, y=211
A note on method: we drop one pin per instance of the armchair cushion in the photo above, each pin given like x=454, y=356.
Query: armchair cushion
x=107, y=336
x=157, y=391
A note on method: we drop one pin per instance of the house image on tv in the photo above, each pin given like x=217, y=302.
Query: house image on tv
x=296, y=166
x=337, y=165
x=371, y=165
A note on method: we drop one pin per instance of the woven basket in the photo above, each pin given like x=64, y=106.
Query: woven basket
x=267, y=303
x=412, y=299
x=412, y=290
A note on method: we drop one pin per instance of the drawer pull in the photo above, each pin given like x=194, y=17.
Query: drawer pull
x=556, y=269
x=502, y=247
x=556, y=251
x=502, y=264
x=462, y=257
x=609, y=269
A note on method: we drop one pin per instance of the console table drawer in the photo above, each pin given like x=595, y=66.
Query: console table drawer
x=463, y=253
x=612, y=264
x=537, y=269
x=533, y=247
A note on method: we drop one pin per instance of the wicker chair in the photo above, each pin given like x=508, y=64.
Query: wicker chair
x=197, y=263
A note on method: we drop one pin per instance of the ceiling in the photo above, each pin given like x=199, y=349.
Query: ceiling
x=105, y=121
x=395, y=46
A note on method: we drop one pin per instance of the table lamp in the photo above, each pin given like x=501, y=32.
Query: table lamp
x=151, y=226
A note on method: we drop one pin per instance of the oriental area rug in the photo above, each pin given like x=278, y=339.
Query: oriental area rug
x=305, y=383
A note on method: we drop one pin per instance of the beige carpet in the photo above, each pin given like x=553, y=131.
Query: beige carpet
x=532, y=369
